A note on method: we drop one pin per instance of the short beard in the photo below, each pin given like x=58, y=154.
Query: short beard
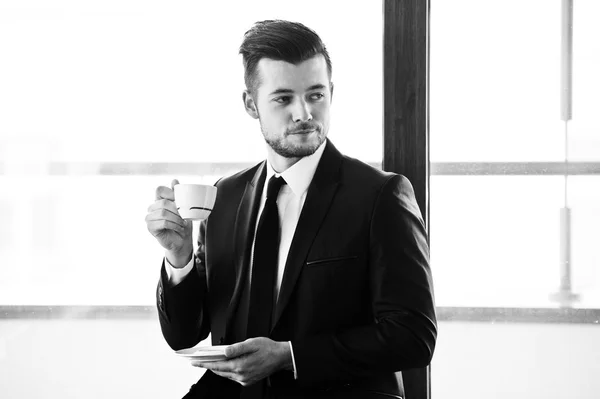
x=287, y=150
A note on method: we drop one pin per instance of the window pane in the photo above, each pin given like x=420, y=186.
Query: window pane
x=103, y=102
x=495, y=78
x=495, y=85
x=495, y=240
x=495, y=212
x=584, y=128
x=496, y=98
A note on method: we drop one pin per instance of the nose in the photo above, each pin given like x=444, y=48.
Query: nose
x=301, y=111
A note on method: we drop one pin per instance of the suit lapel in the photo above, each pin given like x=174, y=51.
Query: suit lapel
x=245, y=222
x=318, y=200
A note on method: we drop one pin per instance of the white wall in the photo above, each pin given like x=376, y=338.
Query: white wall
x=509, y=360
x=128, y=358
x=89, y=359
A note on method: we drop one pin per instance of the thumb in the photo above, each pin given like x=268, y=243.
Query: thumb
x=239, y=349
x=234, y=350
x=174, y=182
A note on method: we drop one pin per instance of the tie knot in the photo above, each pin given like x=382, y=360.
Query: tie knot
x=275, y=184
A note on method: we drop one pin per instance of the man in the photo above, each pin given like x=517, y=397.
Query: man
x=312, y=266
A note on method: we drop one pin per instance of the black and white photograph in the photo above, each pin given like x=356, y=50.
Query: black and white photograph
x=300, y=199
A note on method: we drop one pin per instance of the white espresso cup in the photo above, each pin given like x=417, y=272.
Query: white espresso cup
x=194, y=201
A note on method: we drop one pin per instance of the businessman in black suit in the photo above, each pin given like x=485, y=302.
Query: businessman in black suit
x=313, y=266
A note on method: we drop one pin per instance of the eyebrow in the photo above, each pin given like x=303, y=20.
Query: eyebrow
x=318, y=86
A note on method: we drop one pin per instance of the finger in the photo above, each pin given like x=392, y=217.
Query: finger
x=231, y=376
x=220, y=366
x=166, y=214
x=226, y=374
x=163, y=203
x=156, y=226
x=173, y=183
x=163, y=192
x=170, y=206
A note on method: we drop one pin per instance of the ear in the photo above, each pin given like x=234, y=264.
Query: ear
x=331, y=90
x=249, y=104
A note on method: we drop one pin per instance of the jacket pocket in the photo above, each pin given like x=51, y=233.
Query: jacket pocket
x=323, y=261
x=381, y=395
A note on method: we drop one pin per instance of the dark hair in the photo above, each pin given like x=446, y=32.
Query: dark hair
x=282, y=41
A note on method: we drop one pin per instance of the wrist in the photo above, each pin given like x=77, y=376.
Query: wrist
x=179, y=259
x=285, y=356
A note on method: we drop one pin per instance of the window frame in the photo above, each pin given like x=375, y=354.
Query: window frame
x=406, y=119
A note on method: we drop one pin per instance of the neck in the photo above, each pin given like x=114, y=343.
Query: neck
x=278, y=162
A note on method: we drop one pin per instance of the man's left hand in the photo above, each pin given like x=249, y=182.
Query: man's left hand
x=251, y=360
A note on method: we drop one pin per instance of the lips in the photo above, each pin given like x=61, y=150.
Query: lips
x=303, y=131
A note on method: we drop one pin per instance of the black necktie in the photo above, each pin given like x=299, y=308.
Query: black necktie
x=264, y=273
x=264, y=265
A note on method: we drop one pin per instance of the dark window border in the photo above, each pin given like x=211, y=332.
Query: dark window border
x=444, y=314
x=221, y=168
x=406, y=119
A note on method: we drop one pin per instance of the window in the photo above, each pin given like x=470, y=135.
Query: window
x=498, y=154
x=499, y=181
x=100, y=103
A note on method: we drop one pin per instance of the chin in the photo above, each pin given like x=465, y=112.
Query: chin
x=294, y=149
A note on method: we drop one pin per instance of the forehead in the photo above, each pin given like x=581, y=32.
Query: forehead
x=275, y=74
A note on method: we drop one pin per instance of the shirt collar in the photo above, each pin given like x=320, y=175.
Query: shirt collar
x=299, y=175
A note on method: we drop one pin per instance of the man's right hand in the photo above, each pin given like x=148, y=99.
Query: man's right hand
x=171, y=231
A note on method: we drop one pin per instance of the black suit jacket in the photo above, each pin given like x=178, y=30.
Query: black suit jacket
x=356, y=299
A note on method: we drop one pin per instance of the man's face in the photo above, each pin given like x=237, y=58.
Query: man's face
x=292, y=103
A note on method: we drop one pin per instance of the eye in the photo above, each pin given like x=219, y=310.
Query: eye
x=317, y=96
x=282, y=99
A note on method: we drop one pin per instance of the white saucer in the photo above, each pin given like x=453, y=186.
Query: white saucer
x=204, y=353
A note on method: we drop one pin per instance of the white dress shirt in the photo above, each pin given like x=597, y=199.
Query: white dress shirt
x=289, y=204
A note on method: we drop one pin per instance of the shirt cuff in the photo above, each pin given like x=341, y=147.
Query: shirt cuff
x=176, y=275
x=293, y=361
